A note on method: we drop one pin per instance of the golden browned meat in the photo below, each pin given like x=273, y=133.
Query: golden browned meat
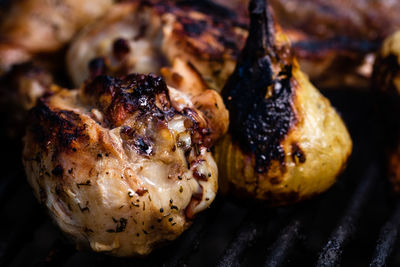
x=123, y=164
x=386, y=81
x=285, y=142
x=42, y=26
x=139, y=36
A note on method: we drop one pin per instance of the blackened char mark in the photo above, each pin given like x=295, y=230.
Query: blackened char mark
x=142, y=144
x=192, y=27
x=340, y=43
x=259, y=122
x=208, y=7
x=217, y=21
x=120, y=97
x=60, y=126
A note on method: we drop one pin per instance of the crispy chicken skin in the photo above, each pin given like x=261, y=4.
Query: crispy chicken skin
x=43, y=26
x=143, y=36
x=285, y=141
x=123, y=164
x=386, y=82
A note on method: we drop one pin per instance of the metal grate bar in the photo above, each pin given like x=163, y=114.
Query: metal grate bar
x=332, y=252
x=279, y=250
x=249, y=230
x=387, y=238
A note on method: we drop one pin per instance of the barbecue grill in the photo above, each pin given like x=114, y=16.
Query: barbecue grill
x=355, y=223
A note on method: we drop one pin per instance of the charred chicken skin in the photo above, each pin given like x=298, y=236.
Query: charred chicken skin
x=386, y=81
x=123, y=164
x=285, y=141
x=144, y=36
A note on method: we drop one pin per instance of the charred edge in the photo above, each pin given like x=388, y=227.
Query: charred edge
x=218, y=22
x=338, y=43
x=199, y=133
x=193, y=27
x=208, y=7
x=63, y=127
x=126, y=95
x=259, y=123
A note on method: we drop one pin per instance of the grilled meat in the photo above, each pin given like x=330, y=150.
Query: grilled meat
x=143, y=36
x=41, y=26
x=386, y=81
x=123, y=164
x=33, y=37
x=285, y=141
x=334, y=41
x=336, y=36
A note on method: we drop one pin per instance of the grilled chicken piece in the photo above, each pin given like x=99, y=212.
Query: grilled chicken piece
x=285, y=142
x=386, y=81
x=123, y=164
x=140, y=36
x=42, y=26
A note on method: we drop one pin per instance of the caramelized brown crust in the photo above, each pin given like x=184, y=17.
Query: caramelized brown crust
x=207, y=35
x=206, y=30
x=201, y=33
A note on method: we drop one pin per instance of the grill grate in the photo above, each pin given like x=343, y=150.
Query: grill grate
x=358, y=213
x=387, y=239
x=331, y=253
x=279, y=250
